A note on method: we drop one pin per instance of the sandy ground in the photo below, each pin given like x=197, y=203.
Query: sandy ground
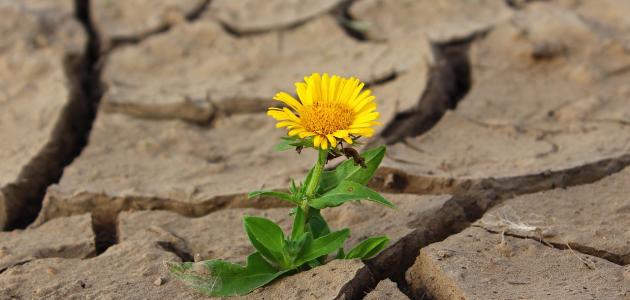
x=132, y=130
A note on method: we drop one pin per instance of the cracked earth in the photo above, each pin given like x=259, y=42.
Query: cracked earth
x=132, y=131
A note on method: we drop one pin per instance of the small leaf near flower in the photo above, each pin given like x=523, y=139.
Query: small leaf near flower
x=348, y=170
x=293, y=142
x=368, y=248
x=348, y=191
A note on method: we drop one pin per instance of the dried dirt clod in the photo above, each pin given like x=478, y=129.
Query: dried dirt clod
x=218, y=235
x=70, y=237
x=534, y=271
x=339, y=279
x=590, y=218
x=173, y=165
x=34, y=102
x=135, y=19
x=442, y=21
x=169, y=76
x=386, y=290
x=158, y=281
x=530, y=159
x=125, y=271
x=252, y=16
x=544, y=45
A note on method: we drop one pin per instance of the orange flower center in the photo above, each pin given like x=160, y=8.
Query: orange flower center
x=327, y=117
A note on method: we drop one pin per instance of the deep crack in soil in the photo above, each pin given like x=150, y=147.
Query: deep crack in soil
x=449, y=81
x=69, y=135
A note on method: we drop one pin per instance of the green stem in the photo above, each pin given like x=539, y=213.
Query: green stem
x=322, y=158
x=317, y=173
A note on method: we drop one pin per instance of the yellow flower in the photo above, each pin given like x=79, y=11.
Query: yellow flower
x=330, y=108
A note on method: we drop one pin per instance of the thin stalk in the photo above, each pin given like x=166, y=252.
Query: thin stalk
x=314, y=183
x=317, y=173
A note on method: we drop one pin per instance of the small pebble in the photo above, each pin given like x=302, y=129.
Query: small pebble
x=158, y=281
x=51, y=271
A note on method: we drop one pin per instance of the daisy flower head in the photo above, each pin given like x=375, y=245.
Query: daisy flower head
x=330, y=108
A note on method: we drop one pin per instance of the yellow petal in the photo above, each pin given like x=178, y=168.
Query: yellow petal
x=355, y=92
x=317, y=140
x=289, y=100
x=278, y=115
x=370, y=107
x=363, y=95
x=324, y=143
x=285, y=123
x=296, y=131
x=366, y=118
x=305, y=97
x=331, y=139
x=340, y=133
x=345, y=91
x=368, y=132
x=359, y=105
x=290, y=115
x=332, y=88
x=306, y=134
x=325, y=84
x=316, y=83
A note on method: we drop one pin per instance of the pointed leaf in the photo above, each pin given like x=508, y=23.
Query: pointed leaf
x=322, y=246
x=348, y=191
x=285, y=144
x=266, y=237
x=368, y=248
x=347, y=170
x=220, y=278
x=291, y=142
x=279, y=195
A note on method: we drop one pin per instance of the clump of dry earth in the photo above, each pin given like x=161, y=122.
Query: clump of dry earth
x=508, y=124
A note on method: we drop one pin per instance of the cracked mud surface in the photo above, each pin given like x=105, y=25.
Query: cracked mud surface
x=507, y=124
x=43, y=120
x=475, y=264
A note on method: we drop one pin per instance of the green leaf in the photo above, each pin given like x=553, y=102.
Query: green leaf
x=294, y=247
x=316, y=223
x=314, y=263
x=347, y=170
x=293, y=141
x=368, y=248
x=285, y=144
x=298, y=223
x=307, y=180
x=266, y=237
x=293, y=188
x=340, y=254
x=348, y=191
x=322, y=246
x=220, y=278
x=279, y=195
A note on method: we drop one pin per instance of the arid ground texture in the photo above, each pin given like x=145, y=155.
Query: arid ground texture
x=131, y=132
